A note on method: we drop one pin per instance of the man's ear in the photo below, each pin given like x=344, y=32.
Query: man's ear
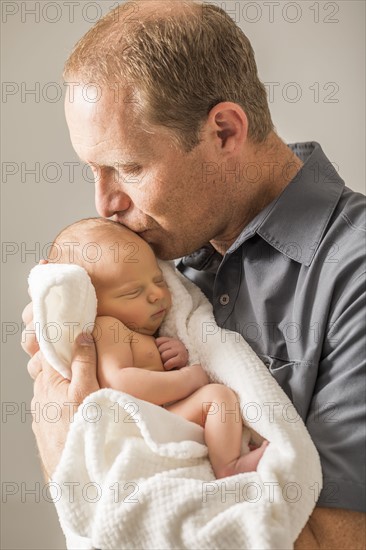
x=229, y=124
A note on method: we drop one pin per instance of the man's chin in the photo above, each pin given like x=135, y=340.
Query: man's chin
x=165, y=248
x=163, y=252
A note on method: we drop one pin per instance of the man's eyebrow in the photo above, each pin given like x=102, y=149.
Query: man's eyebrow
x=124, y=165
x=127, y=165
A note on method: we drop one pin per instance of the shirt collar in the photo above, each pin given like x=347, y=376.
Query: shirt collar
x=295, y=222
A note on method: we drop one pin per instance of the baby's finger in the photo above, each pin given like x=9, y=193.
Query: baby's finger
x=171, y=364
x=165, y=347
x=168, y=354
x=162, y=340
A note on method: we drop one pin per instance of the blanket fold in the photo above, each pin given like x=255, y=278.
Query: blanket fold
x=64, y=304
x=140, y=476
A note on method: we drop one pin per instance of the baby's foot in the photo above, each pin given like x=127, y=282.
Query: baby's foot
x=245, y=463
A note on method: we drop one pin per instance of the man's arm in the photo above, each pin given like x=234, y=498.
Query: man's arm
x=333, y=529
x=337, y=528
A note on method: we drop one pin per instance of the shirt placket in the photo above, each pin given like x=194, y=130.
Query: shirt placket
x=226, y=287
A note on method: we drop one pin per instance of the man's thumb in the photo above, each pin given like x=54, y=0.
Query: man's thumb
x=84, y=361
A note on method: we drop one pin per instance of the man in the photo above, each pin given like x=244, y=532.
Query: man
x=184, y=153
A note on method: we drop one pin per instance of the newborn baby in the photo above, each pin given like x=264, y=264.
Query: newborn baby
x=133, y=300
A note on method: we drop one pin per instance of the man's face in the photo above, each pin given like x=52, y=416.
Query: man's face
x=142, y=180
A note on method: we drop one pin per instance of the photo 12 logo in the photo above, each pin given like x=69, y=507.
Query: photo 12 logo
x=30, y=12
x=69, y=491
x=276, y=12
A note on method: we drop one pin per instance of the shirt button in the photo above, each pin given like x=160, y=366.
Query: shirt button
x=224, y=299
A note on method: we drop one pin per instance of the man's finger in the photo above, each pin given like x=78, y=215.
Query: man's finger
x=84, y=366
x=34, y=366
x=27, y=314
x=51, y=376
x=29, y=342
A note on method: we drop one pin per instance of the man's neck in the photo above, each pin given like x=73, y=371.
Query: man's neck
x=278, y=166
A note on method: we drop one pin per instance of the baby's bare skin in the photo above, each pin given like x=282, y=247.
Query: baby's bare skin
x=118, y=347
x=138, y=352
x=145, y=353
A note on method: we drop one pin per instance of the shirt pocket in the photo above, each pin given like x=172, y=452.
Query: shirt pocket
x=296, y=378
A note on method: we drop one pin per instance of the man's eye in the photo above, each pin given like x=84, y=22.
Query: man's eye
x=98, y=170
x=134, y=171
x=129, y=170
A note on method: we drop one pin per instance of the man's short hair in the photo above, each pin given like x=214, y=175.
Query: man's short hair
x=177, y=62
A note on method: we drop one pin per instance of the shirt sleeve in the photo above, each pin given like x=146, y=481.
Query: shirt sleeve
x=337, y=415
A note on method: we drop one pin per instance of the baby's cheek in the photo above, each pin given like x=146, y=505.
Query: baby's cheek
x=168, y=298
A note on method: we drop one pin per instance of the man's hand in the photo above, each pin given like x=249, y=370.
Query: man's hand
x=172, y=352
x=54, y=396
x=333, y=528
x=29, y=340
x=57, y=397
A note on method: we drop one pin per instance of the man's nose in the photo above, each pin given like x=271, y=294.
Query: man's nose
x=109, y=196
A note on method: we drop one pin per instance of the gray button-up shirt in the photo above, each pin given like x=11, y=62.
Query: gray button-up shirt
x=293, y=285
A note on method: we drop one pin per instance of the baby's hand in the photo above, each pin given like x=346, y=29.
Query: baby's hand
x=172, y=352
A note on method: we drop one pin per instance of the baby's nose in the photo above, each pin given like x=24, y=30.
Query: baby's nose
x=155, y=294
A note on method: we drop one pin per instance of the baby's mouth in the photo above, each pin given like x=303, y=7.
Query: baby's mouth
x=159, y=313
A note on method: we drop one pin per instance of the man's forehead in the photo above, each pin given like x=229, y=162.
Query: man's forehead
x=105, y=122
x=105, y=106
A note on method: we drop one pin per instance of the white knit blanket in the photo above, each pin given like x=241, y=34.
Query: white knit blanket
x=135, y=476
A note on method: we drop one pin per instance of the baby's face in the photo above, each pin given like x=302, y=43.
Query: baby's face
x=133, y=289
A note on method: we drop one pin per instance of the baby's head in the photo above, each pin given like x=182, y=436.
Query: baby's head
x=123, y=268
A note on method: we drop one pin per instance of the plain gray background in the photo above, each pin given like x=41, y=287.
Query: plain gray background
x=310, y=54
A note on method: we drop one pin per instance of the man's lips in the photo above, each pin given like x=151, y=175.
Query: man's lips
x=122, y=221
x=136, y=228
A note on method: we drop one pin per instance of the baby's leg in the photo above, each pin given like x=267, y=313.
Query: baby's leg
x=216, y=408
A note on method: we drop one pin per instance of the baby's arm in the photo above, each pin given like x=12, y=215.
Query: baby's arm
x=162, y=387
x=113, y=343
x=116, y=370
